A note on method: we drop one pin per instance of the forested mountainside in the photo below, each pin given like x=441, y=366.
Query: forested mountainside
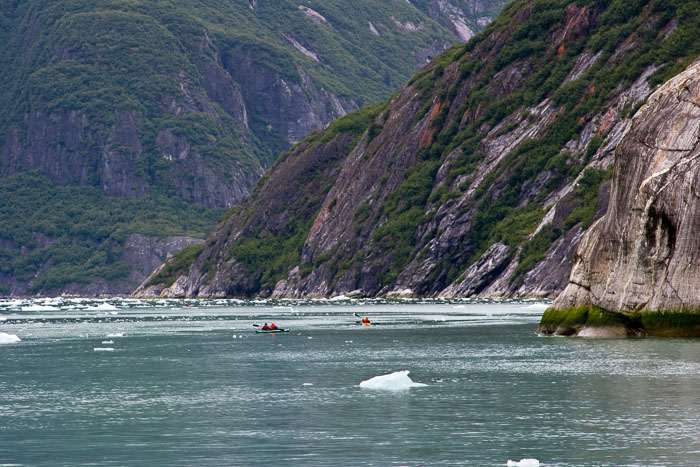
x=477, y=178
x=637, y=270
x=163, y=103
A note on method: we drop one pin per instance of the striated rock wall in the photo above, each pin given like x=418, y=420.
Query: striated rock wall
x=471, y=181
x=285, y=112
x=642, y=256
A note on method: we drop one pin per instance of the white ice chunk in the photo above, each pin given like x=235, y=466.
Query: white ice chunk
x=108, y=342
x=116, y=334
x=9, y=338
x=537, y=306
x=524, y=463
x=396, y=381
x=40, y=308
x=103, y=349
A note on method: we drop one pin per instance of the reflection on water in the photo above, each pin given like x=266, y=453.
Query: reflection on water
x=183, y=382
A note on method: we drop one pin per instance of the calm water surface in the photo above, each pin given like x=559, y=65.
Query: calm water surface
x=134, y=382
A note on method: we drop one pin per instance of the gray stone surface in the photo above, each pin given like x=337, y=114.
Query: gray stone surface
x=643, y=254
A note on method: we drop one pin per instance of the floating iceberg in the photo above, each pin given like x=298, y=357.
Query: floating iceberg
x=9, y=338
x=524, y=463
x=339, y=298
x=396, y=381
x=116, y=334
x=537, y=307
x=103, y=349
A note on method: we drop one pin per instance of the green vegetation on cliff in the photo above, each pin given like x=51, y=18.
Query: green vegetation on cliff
x=52, y=236
x=506, y=126
x=176, y=266
x=185, y=100
x=109, y=55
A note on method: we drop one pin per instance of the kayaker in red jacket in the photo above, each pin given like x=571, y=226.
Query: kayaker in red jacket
x=366, y=320
x=266, y=327
x=273, y=327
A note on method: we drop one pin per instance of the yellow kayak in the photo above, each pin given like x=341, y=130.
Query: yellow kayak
x=366, y=324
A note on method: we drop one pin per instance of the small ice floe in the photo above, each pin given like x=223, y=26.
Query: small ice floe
x=16, y=303
x=116, y=334
x=9, y=338
x=339, y=298
x=103, y=349
x=308, y=384
x=40, y=308
x=108, y=342
x=396, y=381
x=524, y=463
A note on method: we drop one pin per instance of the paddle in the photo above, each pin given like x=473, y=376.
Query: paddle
x=256, y=325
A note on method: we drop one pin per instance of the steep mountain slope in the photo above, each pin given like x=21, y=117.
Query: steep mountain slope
x=478, y=178
x=463, y=17
x=163, y=102
x=637, y=268
x=133, y=96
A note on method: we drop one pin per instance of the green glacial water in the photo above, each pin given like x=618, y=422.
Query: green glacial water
x=167, y=383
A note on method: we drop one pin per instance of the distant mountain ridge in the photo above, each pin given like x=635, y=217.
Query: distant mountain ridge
x=172, y=104
x=477, y=179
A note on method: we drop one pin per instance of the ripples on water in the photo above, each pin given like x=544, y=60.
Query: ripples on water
x=183, y=382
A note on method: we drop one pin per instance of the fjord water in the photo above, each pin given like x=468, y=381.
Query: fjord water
x=136, y=382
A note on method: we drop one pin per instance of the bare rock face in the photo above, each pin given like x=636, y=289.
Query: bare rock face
x=640, y=261
x=290, y=110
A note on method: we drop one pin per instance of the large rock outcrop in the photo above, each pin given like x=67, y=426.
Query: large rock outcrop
x=637, y=269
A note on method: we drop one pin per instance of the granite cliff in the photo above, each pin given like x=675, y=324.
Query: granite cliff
x=478, y=178
x=636, y=270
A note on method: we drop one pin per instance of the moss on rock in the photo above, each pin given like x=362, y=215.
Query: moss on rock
x=672, y=323
x=593, y=321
